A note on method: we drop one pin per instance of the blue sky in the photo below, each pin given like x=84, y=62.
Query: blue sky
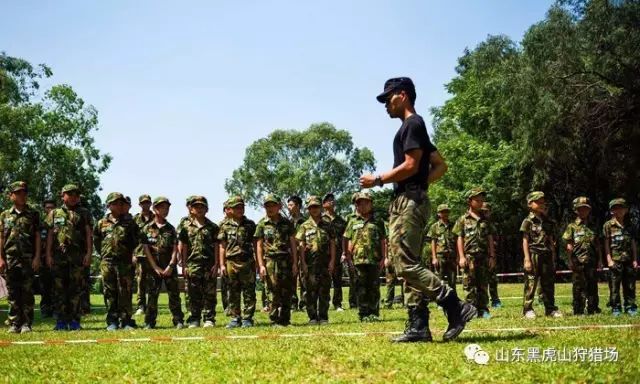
x=189, y=85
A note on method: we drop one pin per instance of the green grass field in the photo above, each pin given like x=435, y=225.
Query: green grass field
x=319, y=355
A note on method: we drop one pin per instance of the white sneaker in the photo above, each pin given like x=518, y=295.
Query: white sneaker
x=139, y=312
x=530, y=315
x=25, y=329
x=208, y=324
x=555, y=314
x=339, y=309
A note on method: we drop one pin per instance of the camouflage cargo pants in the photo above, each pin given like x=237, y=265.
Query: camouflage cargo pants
x=143, y=281
x=117, y=281
x=45, y=284
x=622, y=273
x=584, y=287
x=336, y=280
x=493, y=286
x=202, y=286
x=448, y=269
x=408, y=215
x=19, y=279
x=368, y=290
x=242, y=282
x=543, y=273
x=318, y=284
x=391, y=280
x=476, y=282
x=280, y=282
x=173, y=291
x=68, y=276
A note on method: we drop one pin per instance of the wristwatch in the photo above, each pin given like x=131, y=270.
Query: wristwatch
x=378, y=181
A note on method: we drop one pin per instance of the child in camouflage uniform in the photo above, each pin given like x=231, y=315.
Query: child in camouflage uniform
x=583, y=251
x=115, y=237
x=475, y=250
x=198, y=243
x=318, y=255
x=367, y=245
x=443, y=247
x=277, y=259
x=237, y=262
x=162, y=255
x=19, y=256
x=538, y=245
x=622, y=258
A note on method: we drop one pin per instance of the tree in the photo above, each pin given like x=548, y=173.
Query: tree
x=46, y=138
x=318, y=160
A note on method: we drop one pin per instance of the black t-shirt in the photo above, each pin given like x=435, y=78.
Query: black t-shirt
x=412, y=135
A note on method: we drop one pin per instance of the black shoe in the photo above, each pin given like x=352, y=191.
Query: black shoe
x=458, y=314
x=417, y=327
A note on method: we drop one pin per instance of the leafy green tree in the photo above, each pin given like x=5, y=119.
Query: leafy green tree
x=315, y=161
x=46, y=137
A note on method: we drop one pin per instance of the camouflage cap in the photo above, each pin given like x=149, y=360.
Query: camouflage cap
x=127, y=199
x=234, y=201
x=353, y=197
x=189, y=200
x=17, y=186
x=329, y=196
x=617, y=201
x=486, y=206
x=363, y=195
x=70, y=188
x=271, y=198
x=160, y=199
x=144, y=198
x=115, y=196
x=199, y=200
x=443, y=207
x=535, y=195
x=313, y=201
x=581, y=201
x=473, y=192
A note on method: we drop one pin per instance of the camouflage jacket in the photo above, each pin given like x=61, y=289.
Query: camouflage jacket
x=339, y=226
x=540, y=232
x=442, y=233
x=619, y=238
x=238, y=238
x=19, y=231
x=115, y=240
x=275, y=236
x=316, y=239
x=584, y=240
x=141, y=221
x=475, y=234
x=69, y=227
x=200, y=241
x=366, y=238
x=161, y=241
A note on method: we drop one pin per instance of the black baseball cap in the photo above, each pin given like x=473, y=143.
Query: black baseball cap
x=397, y=84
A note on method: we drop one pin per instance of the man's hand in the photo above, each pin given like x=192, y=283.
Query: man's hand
x=167, y=271
x=263, y=273
x=159, y=271
x=86, y=261
x=387, y=262
x=434, y=262
x=367, y=181
x=223, y=270
x=462, y=263
x=635, y=264
x=528, y=267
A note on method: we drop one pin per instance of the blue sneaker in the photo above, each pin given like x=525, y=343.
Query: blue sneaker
x=632, y=312
x=247, y=323
x=112, y=327
x=486, y=315
x=74, y=326
x=60, y=326
x=234, y=323
x=615, y=312
x=496, y=304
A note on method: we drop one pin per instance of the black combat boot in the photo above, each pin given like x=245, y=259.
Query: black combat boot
x=458, y=314
x=417, y=326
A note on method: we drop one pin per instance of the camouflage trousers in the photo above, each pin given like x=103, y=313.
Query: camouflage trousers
x=391, y=280
x=585, y=287
x=448, y=269
x=367, y=289
x=202, y=287
x=19, y=279
x=153, y=292
x=117, y=281
x=85, y=296
x=68, y=276
x=242, y=282
x=143, y=281
x=336, y=280
x=493, y=286
x=622, y=273
x=280, y=282
x=353, y=297
x=408, y=215
x=475, y=282
x=224, y=291
x=298, y=300
x=318, y=283
x=543, y=273
x=46, y=288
